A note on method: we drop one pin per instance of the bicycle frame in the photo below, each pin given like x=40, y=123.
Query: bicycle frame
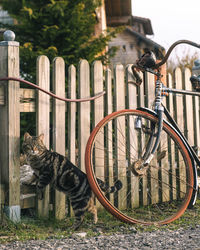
x=159, y=110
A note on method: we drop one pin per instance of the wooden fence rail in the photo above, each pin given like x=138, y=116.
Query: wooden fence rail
x=80, y=118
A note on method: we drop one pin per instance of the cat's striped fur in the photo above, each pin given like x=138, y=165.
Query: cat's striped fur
x=51, y=167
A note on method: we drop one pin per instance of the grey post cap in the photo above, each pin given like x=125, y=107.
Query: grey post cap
x=9, y=35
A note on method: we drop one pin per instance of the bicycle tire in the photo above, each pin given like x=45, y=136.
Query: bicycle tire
x=157, y=194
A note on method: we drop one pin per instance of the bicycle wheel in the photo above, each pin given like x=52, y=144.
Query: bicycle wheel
x=155, y=194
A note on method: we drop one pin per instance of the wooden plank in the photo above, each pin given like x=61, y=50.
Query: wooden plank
x=27, y=201
x=109, y=140
x=171, y=151
x=72, y=114
x=188, y=108
x=140, y=140
x=180, y=118
x=98, y=114
x=97, y=82
x=27, y=94
x=27, y=100
x=84, y=111
x=2, y=95
x=59, y=127
x=71, y=122
x=120, y=135
x=28, y=107
x=196, y=111
x=179, y=99
x=2, y=195
x=43, y=80
x=133, y=187
x=164, y=163
x=152, y=178
x=10, y=128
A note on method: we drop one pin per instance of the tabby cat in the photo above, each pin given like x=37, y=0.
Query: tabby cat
x=51, y=167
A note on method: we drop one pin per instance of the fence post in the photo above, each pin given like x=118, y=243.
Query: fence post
x=9, y=125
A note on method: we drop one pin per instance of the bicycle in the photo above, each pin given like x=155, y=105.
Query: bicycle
x=133, y=145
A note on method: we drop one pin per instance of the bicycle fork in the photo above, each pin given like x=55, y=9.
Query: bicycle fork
x=153, y=142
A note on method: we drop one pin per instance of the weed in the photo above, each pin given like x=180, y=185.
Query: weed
x=30, y=228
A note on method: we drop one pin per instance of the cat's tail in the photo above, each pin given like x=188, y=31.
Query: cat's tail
x=105, y=188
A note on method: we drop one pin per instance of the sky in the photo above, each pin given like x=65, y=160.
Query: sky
x=171, y=20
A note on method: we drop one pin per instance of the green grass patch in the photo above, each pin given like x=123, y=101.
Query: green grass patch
x=30, y=228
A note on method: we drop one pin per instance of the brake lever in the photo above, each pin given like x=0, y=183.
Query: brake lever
x=136, y=75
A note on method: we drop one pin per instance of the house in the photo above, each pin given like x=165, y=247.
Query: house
x=131, y=41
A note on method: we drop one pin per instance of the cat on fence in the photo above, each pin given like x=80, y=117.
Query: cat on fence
x=51, y=167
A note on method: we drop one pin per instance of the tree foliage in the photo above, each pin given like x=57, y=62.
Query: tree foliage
x=56, y=28
x=185, y=59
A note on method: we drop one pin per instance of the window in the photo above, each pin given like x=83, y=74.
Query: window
x=5, y=18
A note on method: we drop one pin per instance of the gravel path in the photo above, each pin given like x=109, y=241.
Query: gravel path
x=179, y=239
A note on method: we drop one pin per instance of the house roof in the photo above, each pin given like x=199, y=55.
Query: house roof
x=157, y=48
x=130, y=20
x=118, y=8
x=119, y=12
x=146, y=24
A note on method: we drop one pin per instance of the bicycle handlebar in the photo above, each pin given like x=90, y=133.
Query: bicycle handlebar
x=170, y=50
x=148, y=63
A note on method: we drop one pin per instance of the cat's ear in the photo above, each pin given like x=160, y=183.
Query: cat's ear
x=41, y=137
x=27, y=135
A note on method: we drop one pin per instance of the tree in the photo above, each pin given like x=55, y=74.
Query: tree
x=56, y=28
x=186, y=59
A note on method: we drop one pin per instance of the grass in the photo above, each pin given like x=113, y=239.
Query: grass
x=30, y=228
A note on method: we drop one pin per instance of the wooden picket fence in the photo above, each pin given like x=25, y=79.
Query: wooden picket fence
x=78, y=119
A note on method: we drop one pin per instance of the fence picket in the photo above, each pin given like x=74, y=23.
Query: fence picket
x=172, y=162
x=59, y=127
x=72, y=115
x=152, y=178
x=164, y=175
x=181, y=122
x=43, y=104
x=119, y=88
x=188, y=106
x=98, y=114
x=109, y=141
x=196, y=110
x=84, y=111
x=133, y=185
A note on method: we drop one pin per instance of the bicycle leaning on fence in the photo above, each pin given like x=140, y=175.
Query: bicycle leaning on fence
x=148, y=153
